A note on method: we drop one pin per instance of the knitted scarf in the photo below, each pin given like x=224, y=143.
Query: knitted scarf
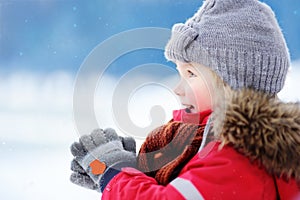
x=168, y=148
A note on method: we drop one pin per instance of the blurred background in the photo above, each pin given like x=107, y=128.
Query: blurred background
x=42, y=46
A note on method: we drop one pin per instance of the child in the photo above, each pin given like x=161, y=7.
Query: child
x=233, y=60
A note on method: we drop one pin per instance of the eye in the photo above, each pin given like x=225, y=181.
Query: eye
x=191, y=74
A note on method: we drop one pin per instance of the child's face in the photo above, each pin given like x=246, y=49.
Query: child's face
x=194, y=88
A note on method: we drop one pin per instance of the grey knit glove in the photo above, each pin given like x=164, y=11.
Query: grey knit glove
x=103, y=145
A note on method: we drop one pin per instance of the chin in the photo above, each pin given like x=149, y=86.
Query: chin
x=194, y=111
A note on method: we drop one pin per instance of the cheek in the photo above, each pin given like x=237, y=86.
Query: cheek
x=192, y=92
x=202, y=97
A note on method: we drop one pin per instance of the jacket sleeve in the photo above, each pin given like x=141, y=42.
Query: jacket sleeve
x=133, y=184
x=223, y=174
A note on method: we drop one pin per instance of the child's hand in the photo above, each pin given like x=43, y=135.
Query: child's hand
x=96, y=152
x=81, y=178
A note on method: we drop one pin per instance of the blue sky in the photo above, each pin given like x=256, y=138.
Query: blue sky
x=50, y=35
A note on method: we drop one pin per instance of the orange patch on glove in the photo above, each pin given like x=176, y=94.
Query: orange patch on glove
x=97, y=167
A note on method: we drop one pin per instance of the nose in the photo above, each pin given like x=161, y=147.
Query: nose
x=179, y=89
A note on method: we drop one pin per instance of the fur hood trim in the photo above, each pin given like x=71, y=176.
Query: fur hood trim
x=262, y=128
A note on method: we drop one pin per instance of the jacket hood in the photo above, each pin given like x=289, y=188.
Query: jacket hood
x=262, y=128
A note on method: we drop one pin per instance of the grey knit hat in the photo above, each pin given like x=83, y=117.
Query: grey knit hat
x=238, y=39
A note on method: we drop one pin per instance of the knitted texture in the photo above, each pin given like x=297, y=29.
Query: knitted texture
x=238, y=39
x=168, y=148
x=102, y=145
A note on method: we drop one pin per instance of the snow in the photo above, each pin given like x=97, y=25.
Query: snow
x=37, y=129
x=39, y=174
x=290, y=92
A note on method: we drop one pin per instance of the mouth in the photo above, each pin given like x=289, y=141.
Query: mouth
x=189, y=108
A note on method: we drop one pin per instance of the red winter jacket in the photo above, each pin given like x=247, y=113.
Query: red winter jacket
x=260, y=138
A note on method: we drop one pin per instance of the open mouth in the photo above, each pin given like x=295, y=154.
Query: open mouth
x=189, y=108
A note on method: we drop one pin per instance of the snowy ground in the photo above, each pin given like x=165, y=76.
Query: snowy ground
x=37, y=129
x=39, y=173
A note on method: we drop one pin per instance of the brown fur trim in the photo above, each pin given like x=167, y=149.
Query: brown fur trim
x=262, y=128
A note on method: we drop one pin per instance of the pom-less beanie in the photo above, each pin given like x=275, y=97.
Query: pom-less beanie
x=238, y=39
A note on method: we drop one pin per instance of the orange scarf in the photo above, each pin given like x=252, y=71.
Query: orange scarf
x=168, y=148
